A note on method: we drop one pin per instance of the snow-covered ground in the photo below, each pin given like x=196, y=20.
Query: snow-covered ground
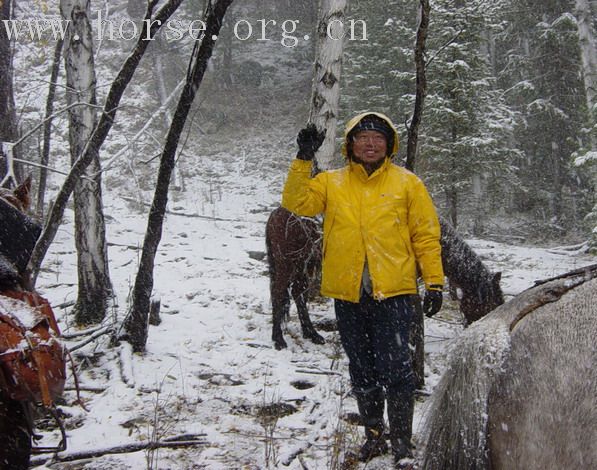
x=210, y=367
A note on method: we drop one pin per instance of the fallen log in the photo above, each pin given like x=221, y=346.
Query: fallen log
x=171, y=443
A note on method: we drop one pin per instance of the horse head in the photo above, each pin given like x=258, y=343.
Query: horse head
x=484, y=296
x=20, y=197
x=19, y=233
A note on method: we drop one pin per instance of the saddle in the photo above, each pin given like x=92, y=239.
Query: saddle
x=32, y=358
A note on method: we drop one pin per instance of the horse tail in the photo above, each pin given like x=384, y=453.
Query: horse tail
x=455, y=424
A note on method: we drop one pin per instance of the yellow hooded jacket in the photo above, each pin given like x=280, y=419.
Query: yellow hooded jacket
x=386, y=218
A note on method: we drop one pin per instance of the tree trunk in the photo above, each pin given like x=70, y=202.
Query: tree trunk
x=226, y=70
x=158, y=53
x=421, y=85
x=90, y=232
x=452, y=199
x=326, y=82
x=8, y=115
x=136, y=323
x=101, y=130
x=558, y=171
x=159, y=58
x=588, y=50
x=418, y=330
x=479, y=212
x=45, y=155
x=136, y=10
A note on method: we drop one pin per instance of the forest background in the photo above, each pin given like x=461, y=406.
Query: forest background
x=508, y=132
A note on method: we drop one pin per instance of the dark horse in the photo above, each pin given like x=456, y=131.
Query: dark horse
x=294, y=257
x=520, y=390
x=18, y=234
x=480, y=288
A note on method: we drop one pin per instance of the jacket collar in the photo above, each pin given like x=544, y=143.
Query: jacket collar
x=359, y=170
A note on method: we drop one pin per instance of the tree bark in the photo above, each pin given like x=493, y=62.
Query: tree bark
x=588, y=51
x=45, y=155
x=8, y=115
x=421, y=86
x=101, y=130
x=227, y=55
x=136, y=323
x=326, y=82
x=158, y=70
x=94, y=286
x=452, y=199
x=136, y=10
x=479, y=209
x=418, y=330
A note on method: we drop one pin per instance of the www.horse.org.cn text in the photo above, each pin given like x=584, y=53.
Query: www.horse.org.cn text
x=285, y=32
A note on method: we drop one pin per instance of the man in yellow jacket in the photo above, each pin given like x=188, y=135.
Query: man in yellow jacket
x=379, y=226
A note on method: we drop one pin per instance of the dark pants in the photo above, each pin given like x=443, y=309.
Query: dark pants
x=375, y=337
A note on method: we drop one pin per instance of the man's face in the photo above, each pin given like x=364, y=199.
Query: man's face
x=369, y=147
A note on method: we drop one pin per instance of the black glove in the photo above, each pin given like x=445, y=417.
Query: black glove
x=432, y=302
x=309, y=140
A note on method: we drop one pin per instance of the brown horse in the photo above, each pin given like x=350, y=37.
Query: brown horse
x=294, y=256
x=17, y=238
x=520, y=388
x=20, y=197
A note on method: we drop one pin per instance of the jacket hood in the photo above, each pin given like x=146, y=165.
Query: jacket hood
x=351, y=124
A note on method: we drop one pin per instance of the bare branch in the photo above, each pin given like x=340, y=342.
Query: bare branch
x=161, y=109
x=440, y=50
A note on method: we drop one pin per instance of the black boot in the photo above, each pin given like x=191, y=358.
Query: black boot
x=400, y=415
x=371, y=406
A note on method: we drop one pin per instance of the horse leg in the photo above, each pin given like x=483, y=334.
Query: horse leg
x=15, y=435
x=279, y=285
x=299, y=293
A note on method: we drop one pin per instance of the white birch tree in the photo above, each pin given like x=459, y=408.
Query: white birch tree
x=94, y=286
x=325, y=95
x=588, y=55
x=588, y=50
